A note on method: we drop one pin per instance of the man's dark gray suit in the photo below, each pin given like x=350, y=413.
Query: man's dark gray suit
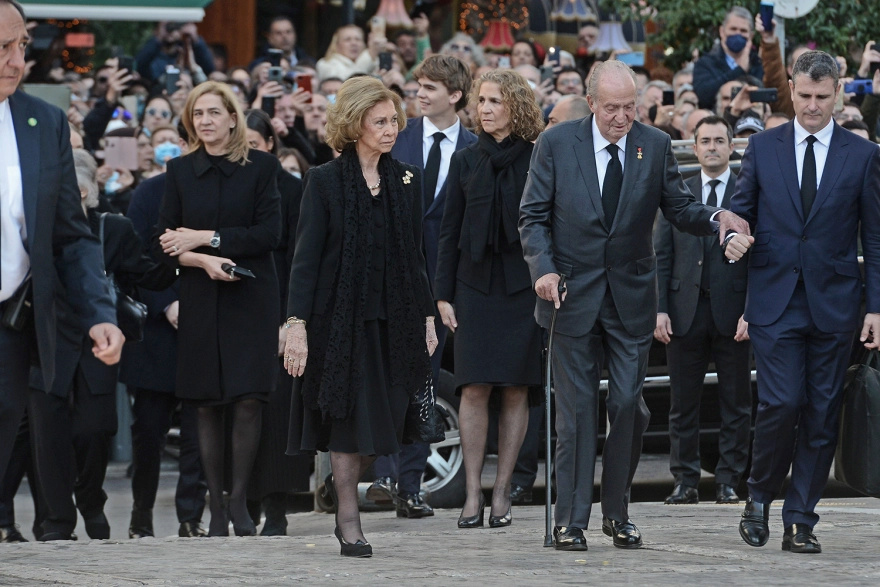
x=65, y=258
x=611, y=305
x=704, y=322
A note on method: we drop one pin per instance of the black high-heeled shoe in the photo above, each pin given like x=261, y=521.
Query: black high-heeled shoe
x=359, y=549
x=473, y=521
x=246, y=529
x=501, y=521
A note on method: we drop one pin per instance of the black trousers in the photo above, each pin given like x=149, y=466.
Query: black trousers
x=72, y=438
x=688, y=358
x=21, y=464
x=16, y=350
x=152, y=419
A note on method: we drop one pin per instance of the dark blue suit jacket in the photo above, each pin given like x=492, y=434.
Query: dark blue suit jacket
x=408, y=149
x=822, y=248
x=66, y=258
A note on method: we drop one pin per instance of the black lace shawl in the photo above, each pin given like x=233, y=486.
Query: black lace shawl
x=336, y=341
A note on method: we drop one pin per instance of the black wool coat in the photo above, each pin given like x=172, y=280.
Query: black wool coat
x=227, y=331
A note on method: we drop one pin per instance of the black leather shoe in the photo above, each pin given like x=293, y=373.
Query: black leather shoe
x=192, y=530
x=359, y=549
x=382, y=490
x=53, y=536
x=725, y=494
x=520, y=495
x=754, y=527
x=98, y=527
x=474, y=521
x=501, y=521
x=683, y=494
x=800, y=538
x=411, y=505
x=141, y=525
x=568, y=538
x=11, y=534
x=623, y=534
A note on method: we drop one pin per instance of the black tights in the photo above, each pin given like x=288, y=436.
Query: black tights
x=247, y=419
x=348, y=468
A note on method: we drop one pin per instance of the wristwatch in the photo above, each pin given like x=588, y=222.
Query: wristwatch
x=215, y=240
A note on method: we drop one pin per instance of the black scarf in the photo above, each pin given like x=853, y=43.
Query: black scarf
x=494, y=194
x=336, y=369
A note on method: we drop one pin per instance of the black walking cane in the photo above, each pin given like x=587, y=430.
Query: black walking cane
x=548, y=468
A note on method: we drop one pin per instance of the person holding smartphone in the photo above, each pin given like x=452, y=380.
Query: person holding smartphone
x=222, y=206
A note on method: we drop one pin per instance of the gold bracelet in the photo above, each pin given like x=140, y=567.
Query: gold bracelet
x=294, y=320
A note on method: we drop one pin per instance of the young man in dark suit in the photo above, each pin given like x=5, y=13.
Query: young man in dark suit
x=810, y=189
x=44, y=233
x=587, y=212
x=699, y=318
x=428, y=142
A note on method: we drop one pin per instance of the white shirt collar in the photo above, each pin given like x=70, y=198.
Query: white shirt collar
x=4, y=110
x=823, y=136
x=723, y=178
x=600, y=142
x=428, y=129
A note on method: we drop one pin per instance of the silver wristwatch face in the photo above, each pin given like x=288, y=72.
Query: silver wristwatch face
x=215, y=241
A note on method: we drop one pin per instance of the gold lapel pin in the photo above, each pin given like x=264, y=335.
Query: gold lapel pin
x=638, y=152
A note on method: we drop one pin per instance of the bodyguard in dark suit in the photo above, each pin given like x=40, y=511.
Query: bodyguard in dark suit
x=588, y=213
x=809, y=189
x=444, y=85
x=44, y=232
x=702, y=297
x=148, y=369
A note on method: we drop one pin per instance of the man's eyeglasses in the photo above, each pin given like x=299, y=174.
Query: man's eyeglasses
x=156, y=112
x=464, y=48
x=411, y=93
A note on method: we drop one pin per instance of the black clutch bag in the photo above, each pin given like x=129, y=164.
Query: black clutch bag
x=423, y=423
x=131, y=315
x=19, y=309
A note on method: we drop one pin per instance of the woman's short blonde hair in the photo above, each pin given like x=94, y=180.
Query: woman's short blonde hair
x=345, y=118
x=237, y=148
x=86, y=176
x=526, y=118
x=331, y=50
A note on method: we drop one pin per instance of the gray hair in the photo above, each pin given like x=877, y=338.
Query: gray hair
x=818, y=65
x=476, y=50
x=579, y=106
x=740, y=12
x=86, y=176
x=611, y=66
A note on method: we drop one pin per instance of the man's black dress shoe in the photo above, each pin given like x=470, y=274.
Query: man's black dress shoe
x=623, y=534
x=11, y=534
x=568, y=538
x=520, y=495
x=754, y=527
x=53, y=536
x=382, y=490
x=411, y=505
x=800, y=538
x=725, y=494
x=141, y=525
x=98, y=527
x=191, y=530
x=683, y=494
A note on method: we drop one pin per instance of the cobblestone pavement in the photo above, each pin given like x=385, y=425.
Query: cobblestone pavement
x=684, y=545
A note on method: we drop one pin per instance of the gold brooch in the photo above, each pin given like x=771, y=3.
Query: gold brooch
x=407, y=178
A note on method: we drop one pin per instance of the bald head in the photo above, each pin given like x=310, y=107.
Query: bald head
x=607, y=72
x=568, y=108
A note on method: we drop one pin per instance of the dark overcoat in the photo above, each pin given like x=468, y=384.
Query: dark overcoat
x=227, y=331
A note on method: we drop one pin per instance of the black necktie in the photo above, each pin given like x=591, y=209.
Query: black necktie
x=808, y=177
x=710, y=243
x=611, y=186
x=432, y=169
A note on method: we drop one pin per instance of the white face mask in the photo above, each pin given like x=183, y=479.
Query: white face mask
x=296, y=174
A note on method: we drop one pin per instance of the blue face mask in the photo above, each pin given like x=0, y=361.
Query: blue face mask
x=736, y=43
x=296, y=174
x=165, y=151
x=331, y=98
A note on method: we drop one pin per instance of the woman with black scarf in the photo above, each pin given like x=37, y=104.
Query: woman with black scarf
x=360, y=315
x=481, y=271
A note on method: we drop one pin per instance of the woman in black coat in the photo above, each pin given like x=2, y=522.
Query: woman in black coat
x=359, y=304
x=480, y=269
x=276, y=474
x=221, y=208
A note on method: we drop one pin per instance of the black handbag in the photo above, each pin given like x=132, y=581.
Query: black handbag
x=857, y=460
x=131, y=315
x=423, y=423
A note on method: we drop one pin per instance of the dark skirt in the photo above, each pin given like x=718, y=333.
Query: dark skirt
x=497, y=341
x=274, y=471
x=375, y=426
